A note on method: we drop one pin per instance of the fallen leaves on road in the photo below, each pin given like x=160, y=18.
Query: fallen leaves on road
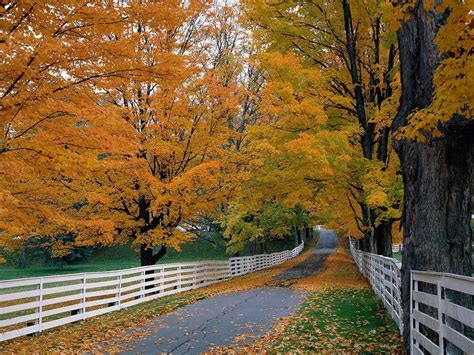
x=342, y=314
x=340, y=271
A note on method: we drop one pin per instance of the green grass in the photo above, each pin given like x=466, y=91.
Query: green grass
x=397, y=255
x=124, y=257
x=114, y=258
x=340, y=320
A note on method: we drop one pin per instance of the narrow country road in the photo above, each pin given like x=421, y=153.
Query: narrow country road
x=315, y=263
x=218, y=320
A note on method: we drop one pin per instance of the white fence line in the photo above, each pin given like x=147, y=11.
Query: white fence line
x=32, y=305
x=397, y=248
x=384, y=276
x=441, y=313
x=441, y=304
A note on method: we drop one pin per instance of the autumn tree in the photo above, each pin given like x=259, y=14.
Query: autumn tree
x=178, y=116
x=290, y=156
x=352, y=47
x=434, y=131
x=52, y=56
x=125, y=129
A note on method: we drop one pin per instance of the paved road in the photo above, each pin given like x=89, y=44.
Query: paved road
x=315, y=263
x=218, y=320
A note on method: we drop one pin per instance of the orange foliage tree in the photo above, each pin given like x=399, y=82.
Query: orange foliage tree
x=115, y=122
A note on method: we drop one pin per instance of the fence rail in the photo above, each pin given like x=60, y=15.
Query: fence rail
x=441, y=313
x=441, y=304
x=397, y=248
x=32, y=305
x=384, y=276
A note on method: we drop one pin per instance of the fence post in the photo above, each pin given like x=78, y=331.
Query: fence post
x=119, y=290
x=179, y=277
x=84, y=280
x=40, y=311
x=142, y=282
x=440, y=318
x=162, y=279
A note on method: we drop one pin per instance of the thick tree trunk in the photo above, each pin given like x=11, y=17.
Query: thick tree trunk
x=307, y=234
x=437, y=210
x=437, y=172
x=295, y=235
x=367, y=242
x=147, y=256
x=383, y=238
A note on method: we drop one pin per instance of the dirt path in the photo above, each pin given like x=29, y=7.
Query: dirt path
x=222, y=319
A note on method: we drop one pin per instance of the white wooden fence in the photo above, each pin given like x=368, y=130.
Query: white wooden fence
x=441, y=307
x=441, y=313
x=384, y=276
x=396, y=248
x=32, y=305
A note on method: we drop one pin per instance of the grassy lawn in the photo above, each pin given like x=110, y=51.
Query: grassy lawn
x=340, y=320
x=341, y=314
x=397, y=255
x=114, y=258
x=124, y=257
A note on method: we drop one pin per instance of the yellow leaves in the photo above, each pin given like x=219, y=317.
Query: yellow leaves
x=60, y=249
x=453, y=94
x=162, y=236
x=377, y=198
x=94, y=197
x=112, y=137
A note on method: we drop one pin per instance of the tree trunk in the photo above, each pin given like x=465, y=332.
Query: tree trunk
x=383, y=238
x=22, y=259
x=437, y=210
x=295, y=234
x=147, y=257
x=436, y=173
x=307, y=234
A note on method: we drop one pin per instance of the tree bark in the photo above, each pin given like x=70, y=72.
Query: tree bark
x=383, y=238
x=147, y=256
x=436, y=173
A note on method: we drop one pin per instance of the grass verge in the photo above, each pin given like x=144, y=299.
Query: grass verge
x=337, y=319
